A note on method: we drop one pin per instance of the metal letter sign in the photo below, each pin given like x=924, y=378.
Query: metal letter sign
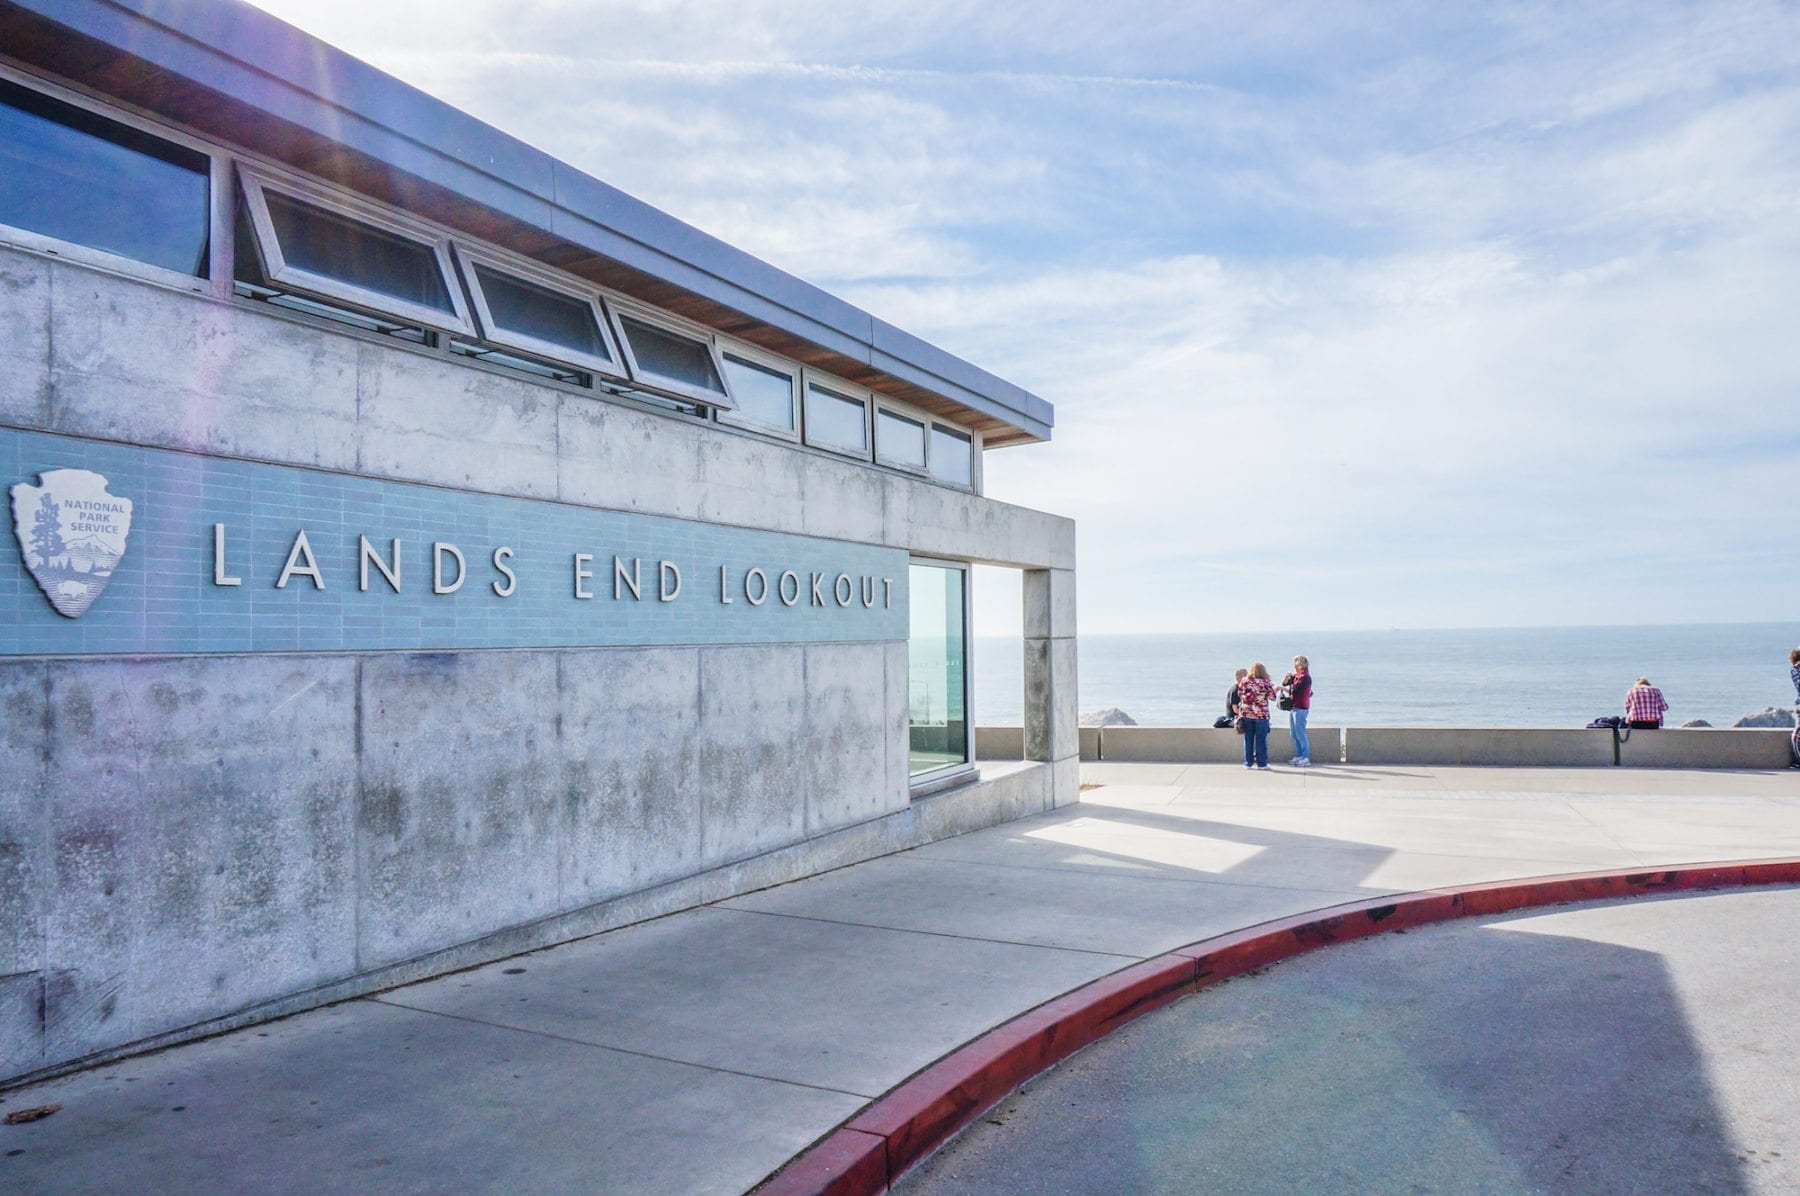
x=72, y=535
x=239, y=556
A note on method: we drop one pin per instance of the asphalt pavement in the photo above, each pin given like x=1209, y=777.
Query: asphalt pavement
x=1646, y=1046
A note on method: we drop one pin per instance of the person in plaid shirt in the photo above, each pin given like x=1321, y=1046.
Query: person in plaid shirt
x=1644, y=706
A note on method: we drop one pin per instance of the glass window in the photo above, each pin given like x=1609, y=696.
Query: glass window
x=70, y=174
x=898, y=440
x=335, y=246
x=836, y=420
x=764, y=395
x=549, y=320
x=936, y=659
x=663, y=356
x=952, y=456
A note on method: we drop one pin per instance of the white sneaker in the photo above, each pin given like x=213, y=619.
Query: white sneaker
x=1302, y=762
x=1294, y=760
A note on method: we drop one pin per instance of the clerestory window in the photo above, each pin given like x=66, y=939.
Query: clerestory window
x=668, y=358
x=309, y=239
x=952, y=455
x=532, y=310
x=837, y=419
x=899, y=440
x=74, y=176
x=120, y=191
x=766, y=394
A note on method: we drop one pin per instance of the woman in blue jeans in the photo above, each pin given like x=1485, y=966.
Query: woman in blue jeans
x=1255, y=692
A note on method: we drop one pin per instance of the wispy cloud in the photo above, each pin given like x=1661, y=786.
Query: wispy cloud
x=1353, y=314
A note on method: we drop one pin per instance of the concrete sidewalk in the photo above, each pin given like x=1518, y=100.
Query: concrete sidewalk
x=698, y=1052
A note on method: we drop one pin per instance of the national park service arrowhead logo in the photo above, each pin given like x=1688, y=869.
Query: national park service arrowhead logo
x=72, y=535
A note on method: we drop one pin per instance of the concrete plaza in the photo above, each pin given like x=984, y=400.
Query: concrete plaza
x=698, y=1052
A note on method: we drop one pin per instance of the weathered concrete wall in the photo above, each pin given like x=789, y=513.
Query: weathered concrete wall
x=186, y=837
x=1540, y=747
x=1700, y=747
x=93, y=354
x=24, y=858
x=1052, y=731
x=189, y=842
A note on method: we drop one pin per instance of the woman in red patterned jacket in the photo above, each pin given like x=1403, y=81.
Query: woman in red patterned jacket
x=1255, y=692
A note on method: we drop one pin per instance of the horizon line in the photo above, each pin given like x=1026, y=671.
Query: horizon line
x=1446, y=627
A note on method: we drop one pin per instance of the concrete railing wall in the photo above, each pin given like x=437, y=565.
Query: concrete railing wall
x=1542, y=747
x=1204, y=745
x=1530, y=746
x=1718, y=747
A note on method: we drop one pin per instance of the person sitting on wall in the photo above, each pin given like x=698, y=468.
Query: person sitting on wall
x=1229, y=718
x=1794, y=676
x=1644, y=706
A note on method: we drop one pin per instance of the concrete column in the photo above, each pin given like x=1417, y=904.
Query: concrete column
x=1052, y=715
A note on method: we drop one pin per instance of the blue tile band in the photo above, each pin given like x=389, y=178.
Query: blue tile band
x=163, y=596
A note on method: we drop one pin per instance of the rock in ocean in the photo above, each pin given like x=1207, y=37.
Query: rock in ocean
x=1770, y=716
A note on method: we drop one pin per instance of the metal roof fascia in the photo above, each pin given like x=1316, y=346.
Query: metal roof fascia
x=248, y=55
x=896, y=348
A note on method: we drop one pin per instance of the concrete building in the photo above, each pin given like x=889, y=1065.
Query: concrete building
x=422, y=551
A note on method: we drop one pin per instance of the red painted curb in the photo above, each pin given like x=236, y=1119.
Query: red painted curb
x=877, y=1146
x=921, y=1113
x=845, y=1163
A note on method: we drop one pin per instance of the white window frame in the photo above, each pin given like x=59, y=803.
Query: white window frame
x=621, y=308
x=810, y=377
x=974, y=483
x=257, y=178
x=738, y=418
x=911, y=416
x=218, y=184
x=469, y=256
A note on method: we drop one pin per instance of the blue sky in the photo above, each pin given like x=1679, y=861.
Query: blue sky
x=1354, y=315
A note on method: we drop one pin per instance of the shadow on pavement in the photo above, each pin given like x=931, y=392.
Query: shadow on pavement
x=1187, y=847
x=1457, y=1059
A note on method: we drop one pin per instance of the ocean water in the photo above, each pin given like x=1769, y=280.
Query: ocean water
x=1492, y=677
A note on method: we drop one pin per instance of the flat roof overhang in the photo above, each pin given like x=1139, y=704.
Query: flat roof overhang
x=248, y=79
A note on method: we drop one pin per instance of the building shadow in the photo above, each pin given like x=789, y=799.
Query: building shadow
x=1460, y=1058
